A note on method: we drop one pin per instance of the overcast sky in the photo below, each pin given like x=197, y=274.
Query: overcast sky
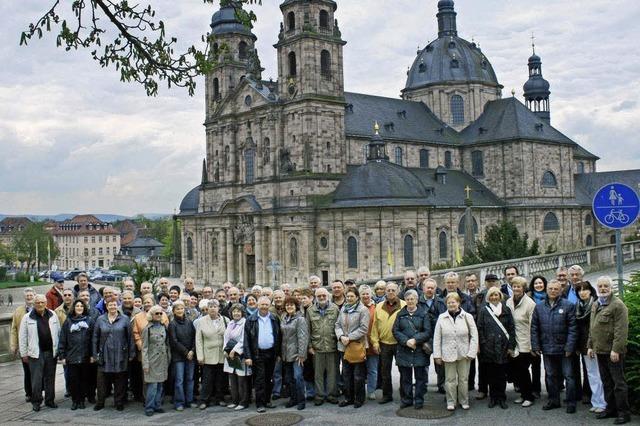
x=73, y=138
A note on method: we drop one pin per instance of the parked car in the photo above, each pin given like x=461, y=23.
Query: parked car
x=71, y=275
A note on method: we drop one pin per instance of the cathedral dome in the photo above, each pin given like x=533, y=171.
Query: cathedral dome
x=378, y=182
x=537, y=86
x=189, y=204
x=450, y=59
x=224, y=21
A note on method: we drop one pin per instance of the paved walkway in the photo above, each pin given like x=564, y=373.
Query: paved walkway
x=14, y=410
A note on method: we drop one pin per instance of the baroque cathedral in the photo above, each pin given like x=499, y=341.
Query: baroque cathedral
x=303, y=178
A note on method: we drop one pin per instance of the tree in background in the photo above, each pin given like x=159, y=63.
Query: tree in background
x=129, y=37
x=7, y=256
x=632, y=367
x=503, y=241
x=24, y=245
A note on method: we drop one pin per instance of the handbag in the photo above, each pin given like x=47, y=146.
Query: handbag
x=354, y=352
x=504, y=330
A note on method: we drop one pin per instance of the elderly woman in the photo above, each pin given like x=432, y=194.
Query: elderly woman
x=522, y=307
x=379, y=291
x=239, y=373
x=607, y=343
x=165, y=304
x=74, y=351
x=373, y=358
x=295, y=341
x=586, y=298
x=112, y=348
x=412, y=330
x=210, y=353
x=455, y=344
x=351, y=329
x=182, y=336
x=156, y=356
x=497, y=344
x=251, y=305
x=538, y=293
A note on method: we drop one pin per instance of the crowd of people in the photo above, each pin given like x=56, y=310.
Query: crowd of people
x=202, y=347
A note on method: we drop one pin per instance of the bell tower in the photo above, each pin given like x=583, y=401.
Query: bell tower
x=310, y=60
x=536, y=89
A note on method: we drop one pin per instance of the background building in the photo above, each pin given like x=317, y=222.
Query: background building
x=297, y=182
x=85, y=242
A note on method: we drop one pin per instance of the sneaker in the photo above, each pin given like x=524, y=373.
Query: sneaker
x=239, y=407
x=180, y=408
x=230, y=406
x=599, y=410
x=465, y=406
x=592, y=409
x=519, y=401
x=372, y=396
x=261, y=410
x=526, y=404
x=451, y=407
x=203, y=406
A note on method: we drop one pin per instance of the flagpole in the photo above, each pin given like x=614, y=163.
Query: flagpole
x=36, y=255
x=48, y=254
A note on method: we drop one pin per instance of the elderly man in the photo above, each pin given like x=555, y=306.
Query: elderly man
x=225, y=306
x=452, y=285
x=267, y=292
x=423, y=273
x=54, y=295
x=382, y=339
x=189, y=286
x=562, y=275
x=277, y=308
x=286, y=289
x=107, y=296
x=608, y=343
x=127, y=307
x=554, y=334
x=323, y=345
x=129, y=284
x=262, y=348
x=207, y=293
x=583, y=389
x=38, y=341
x=145, y=288
x=64, y=310
x=314, y=282
x=16, y=319
x=410, y=282
x=227, y=286
x=575, y=273
x=337, y=293
x=435, y=306
x=256, y=290
x=162, y=286
x=83, y=284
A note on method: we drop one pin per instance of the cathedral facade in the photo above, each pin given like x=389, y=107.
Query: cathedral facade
x=302, y=178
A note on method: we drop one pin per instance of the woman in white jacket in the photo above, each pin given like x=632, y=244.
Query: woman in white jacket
x=209, y=351
x=234, y=365
x=455, y=343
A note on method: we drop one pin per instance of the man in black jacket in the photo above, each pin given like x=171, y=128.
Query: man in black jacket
x=262, y=347
x=435, y=306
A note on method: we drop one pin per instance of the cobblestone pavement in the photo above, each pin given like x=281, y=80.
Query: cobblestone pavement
x=14, y=410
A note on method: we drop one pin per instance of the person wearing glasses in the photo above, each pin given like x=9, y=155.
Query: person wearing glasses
x=410, y=282
x=156, y=356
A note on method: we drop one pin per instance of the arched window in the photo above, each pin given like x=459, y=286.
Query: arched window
x=189, y=248
x=549, y=180
x=589, y=241
x=424, y=158
x=324, y=19
x=266, y=151
x=249, y=161
x=325, y=64
x=408, y=250
x=216, y=89
x=398, y=152
x=457, y=109
x=447, y=159
x=291, y=21
x=461, y=225
x=443, y=245
x=352, y=253
x=550, y=222
x=477, y=163
x=242, y=51
x=580, y=167
x=293, y=66
x=587, y=219
x=293, y=252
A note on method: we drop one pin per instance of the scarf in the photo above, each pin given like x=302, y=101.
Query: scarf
x=539, y=296
x=350, y=308
x=583, y=308
x=604, y=300
x=251, y=311
x=497, y=308
x=79, y=325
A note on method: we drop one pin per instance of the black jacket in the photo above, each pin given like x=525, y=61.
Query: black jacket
x=75, y=346
x=493, y=344
x=416, y=326
x=251, y=336
x=182, y=339
x=437, y=307
x=467, y=304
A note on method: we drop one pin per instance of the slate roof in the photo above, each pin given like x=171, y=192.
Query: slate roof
x=383, y=184
x=398, y=119
x=587, y=184
x=144, y=242
x=580, y=152
x=190, y=202
x=509, y=119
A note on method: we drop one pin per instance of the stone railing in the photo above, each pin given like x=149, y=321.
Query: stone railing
x=590, y=258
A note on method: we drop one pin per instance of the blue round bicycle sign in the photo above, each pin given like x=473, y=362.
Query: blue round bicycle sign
x=616, y=205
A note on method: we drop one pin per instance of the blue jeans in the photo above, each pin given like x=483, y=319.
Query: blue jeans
x=154, y=397
x=183, y=388
x=293, y=374
x=277, y=379
x=372, y=372
x=556, y=367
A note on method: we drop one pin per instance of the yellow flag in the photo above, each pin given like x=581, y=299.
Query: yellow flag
x=389, y=259
x=458, y=255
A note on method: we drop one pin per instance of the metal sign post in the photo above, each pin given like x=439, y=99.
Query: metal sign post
x=617, y=206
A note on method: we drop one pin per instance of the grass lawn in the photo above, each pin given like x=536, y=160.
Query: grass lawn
x=16, y=284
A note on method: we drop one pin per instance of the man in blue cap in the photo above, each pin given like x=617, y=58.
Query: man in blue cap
x=54, y=295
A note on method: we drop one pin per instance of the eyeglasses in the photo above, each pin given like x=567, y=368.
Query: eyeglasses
x=157, y=313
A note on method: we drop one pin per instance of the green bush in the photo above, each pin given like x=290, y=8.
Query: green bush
x=632, y=368
x=22, y=277
x=3, y=273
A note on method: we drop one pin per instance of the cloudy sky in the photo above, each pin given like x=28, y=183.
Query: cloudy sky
x=75, y=139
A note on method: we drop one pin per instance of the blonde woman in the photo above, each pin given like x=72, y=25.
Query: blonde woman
x=455, y=344
x=156, y=356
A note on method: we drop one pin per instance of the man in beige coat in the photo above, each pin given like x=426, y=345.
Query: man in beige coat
x=19, y=313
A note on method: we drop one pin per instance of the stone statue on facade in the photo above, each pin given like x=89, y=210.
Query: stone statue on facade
x=254, y=68
x=243, y=232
